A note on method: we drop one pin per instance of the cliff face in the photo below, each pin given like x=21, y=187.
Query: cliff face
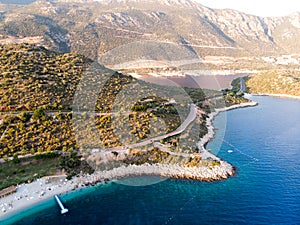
x=93, y=28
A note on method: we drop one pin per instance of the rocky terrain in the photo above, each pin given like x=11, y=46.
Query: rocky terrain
x=147, y=30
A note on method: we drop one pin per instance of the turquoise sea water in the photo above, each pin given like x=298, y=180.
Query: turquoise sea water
x=265, y=141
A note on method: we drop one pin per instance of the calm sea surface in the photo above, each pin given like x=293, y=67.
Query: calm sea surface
x=213, y=82
x=265, y=144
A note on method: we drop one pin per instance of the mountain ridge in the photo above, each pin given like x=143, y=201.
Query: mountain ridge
x=93, y=28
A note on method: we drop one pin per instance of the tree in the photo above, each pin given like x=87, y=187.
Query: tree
x=39, y=113
x=25, y=116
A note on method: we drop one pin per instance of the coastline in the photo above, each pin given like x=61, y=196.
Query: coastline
x=211, y=133
x=279, y=96
x=42, y=189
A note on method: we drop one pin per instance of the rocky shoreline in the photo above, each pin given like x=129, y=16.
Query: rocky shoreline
x=42, y=189
x=29, y=194
x=204, y=173
x=211, y=133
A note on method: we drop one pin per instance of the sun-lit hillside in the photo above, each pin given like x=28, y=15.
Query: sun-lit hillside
x=275, y=82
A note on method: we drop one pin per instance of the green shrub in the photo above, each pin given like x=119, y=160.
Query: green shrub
x=16, y=159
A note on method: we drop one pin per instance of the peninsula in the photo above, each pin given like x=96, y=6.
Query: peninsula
x=43, y=143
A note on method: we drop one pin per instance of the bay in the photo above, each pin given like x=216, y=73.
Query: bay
x=263, y=142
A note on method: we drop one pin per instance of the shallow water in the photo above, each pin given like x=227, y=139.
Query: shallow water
x=265, y=144
x=212, y=82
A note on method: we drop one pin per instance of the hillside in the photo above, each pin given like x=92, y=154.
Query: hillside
x=32, y=77
x=94, y=29
x=37, y=84
x=39, y=88
x=56, y=107
x=285, y=82
x=33, y=80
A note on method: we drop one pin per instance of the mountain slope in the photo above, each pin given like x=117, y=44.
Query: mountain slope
x=94, y=28
x=32, y=77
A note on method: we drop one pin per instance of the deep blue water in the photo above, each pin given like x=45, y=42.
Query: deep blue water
x=266, y=190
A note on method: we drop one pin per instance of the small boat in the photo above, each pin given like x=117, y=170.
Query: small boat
x=230, y=151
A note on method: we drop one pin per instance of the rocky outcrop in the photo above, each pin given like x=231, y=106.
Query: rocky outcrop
x=204, y=173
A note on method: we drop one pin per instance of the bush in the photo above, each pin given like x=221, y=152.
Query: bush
x=25, y=117
x=115, y=153
x=49, y=155
x=16, y=159
x=39, y=113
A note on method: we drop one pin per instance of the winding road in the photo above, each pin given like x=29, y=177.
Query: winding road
x=190, y=118
x=243, y=86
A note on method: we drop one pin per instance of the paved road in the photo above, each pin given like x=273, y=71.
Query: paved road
x=243, y=86
x=190, y=118
x=54, y=112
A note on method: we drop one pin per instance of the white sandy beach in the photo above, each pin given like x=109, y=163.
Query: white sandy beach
x=41, y=189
